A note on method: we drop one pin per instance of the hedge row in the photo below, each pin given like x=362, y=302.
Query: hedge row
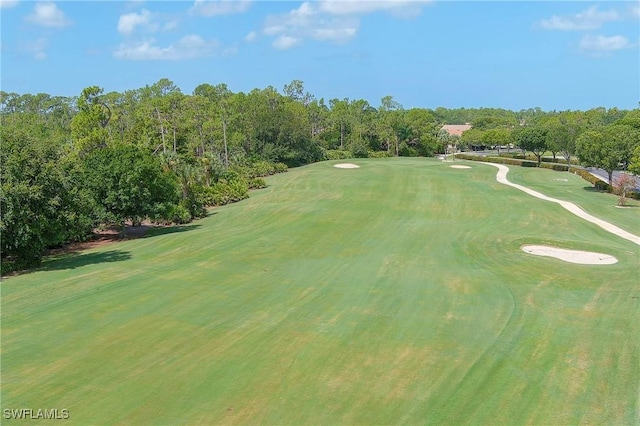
x=515, y=162
x=498, y=160
x=379, y=154
x=555, y=166
x=261, y=168
x=544, y=159
x=596, y=182
x=336, y=154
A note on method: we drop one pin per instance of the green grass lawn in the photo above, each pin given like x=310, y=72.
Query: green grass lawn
x=393, y=293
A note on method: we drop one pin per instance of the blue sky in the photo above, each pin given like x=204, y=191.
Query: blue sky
x=514, y=55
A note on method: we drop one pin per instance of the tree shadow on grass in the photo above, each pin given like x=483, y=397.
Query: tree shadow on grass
x=73, y=255
x=165, y=230
x=593, y=189
x=75, y=260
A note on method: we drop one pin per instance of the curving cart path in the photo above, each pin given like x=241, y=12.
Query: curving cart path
x=501, y=177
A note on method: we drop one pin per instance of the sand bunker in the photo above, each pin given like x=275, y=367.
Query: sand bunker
x=346, y=166
x=573, y=256
x=458, y=166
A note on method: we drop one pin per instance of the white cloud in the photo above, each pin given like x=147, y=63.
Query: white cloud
x=589, y=19
x=128, y=22
x=210, y=8
x=308, y=21
x=274, y=29
x=286, y=42
x=250, y=37
x=332, y=20
x=47, y=14
x=635, y=11
x=228, y=51
x=600, y=43
x=333, y=33
x=37, y=49
x=188, y=47
x=171, y=25
x=401, y=8
x=6, y=4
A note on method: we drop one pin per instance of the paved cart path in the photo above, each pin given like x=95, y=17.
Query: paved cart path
x=502, y=178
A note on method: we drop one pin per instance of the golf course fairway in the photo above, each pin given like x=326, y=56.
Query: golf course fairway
x=392, y=293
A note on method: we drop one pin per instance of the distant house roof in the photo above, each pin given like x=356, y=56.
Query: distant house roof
x=456, y=129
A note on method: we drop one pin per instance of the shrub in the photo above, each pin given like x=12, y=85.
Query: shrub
x=602, y=186
x=180, y=214
x=512, y=155
x=261, y=168
x=8, y=266
x=469, y=157
x=623, y=186
x=512, y=161
x=336, y=154
x=555, y=166
x=527, y=163
x=280, y=167
x=225, y=192
x=596, y=182
x=559, y=160
x=359, y=150
x=256, y=183
x=408, y=151
x=379, y=154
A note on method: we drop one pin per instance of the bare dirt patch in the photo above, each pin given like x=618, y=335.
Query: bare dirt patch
x=346, y=166
x=572, y=256
x=101, y=237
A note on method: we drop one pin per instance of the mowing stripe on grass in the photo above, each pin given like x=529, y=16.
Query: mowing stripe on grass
x=396, y=293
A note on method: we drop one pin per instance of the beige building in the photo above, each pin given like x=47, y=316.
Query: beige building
x=456, y=129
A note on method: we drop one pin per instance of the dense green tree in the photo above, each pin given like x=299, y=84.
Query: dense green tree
x=532, y=139
x=608, y=149
x=634, y=165
x=340, y=118
x=88, y=127
x=558, y=137
x=319, y=119
x=626, y=138
x=295, y=91
x=496, y=137
x=422, y=131
x=631, y=118
x=472, y=138
x=220, y=111
x=129, y=184
x=43, y=203
x=390, y=124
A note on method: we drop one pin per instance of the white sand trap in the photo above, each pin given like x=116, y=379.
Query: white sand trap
x=346, y=166
x=458, y=166
x=573, y=256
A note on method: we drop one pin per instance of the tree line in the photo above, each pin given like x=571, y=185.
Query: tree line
x=606, y=139
x=72, y=163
